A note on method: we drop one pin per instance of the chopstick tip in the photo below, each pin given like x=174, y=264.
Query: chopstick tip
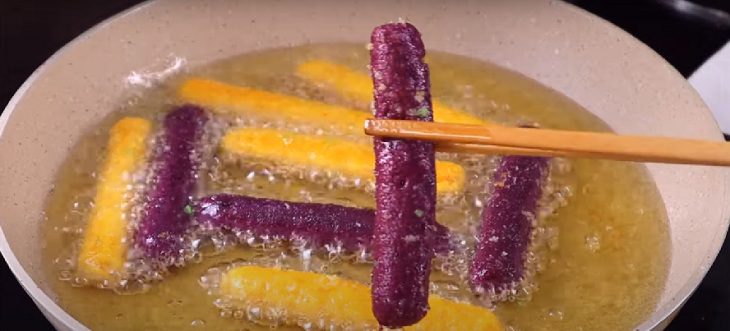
x=367, y=126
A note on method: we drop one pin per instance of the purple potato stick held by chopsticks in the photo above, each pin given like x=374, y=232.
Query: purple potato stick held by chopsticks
x=167, y=212
x=503, y=239
x=319, y=225
x=405, y=174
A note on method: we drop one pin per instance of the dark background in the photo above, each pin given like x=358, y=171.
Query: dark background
x=31, y=31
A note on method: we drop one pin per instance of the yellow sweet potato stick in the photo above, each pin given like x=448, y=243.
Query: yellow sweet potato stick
x=320, y=301
x=445, y=114
x=103, y=250
x=352, y=160
x=348, y=83
x=358, y=87
x=224, y=98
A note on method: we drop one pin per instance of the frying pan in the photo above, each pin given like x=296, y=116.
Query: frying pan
x=591, y=61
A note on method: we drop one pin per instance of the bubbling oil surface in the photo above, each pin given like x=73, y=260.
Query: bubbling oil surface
x=600, y=246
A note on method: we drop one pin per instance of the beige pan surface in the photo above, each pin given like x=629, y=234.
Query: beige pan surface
x=602, y=68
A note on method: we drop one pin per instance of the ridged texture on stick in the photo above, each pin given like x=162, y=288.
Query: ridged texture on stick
x=224, y=98
x=167, y=214
x=325, y=302
x=325, y=154
x=104, y=249
x=316, y=223
x=405, y=179
x=508, y=218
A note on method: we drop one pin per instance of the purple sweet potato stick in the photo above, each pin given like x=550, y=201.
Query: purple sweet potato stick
x=405, y=179
x=318, y=224
x=507, y=220
x=166, y=215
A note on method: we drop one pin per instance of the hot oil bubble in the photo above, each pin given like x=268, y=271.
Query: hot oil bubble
x=65, y=275
x=226, y=313
x=79, y=281
x=211, y=279
x=174, y=303
x=254, y=313
x=555, y=314
x=131, y=287
x=447, y=287
x=593, y=242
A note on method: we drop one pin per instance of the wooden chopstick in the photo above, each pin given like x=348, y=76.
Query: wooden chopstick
x=447, y=147
x=497, y=139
